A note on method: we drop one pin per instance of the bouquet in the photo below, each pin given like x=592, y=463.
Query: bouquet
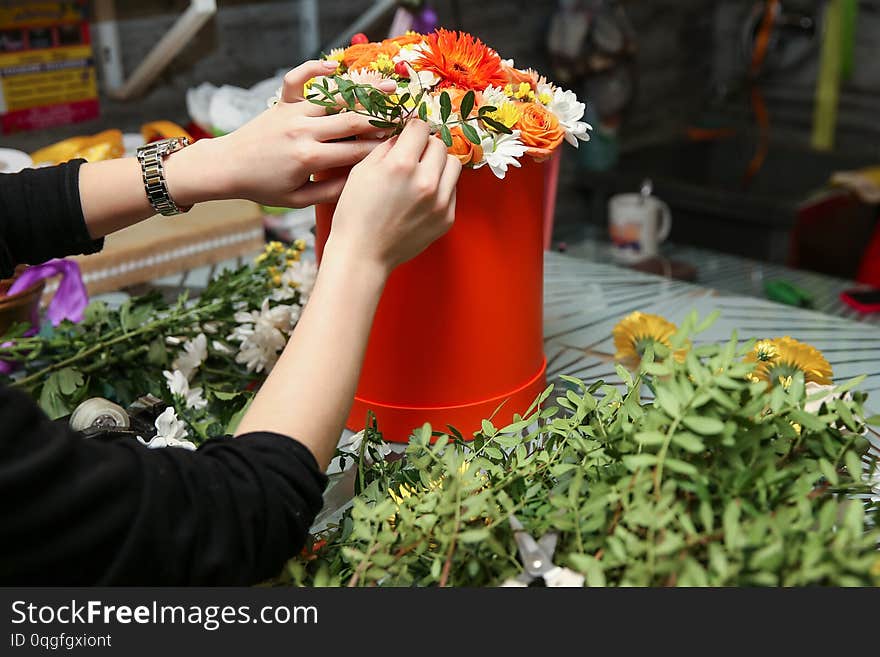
x=487, y=111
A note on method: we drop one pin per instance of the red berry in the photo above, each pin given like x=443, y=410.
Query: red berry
x=400, y=69
x=360, y=37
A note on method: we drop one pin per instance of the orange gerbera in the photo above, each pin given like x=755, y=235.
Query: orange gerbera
x=361, y=55
x=461, y=60
x=515, y=76
x=540, y=130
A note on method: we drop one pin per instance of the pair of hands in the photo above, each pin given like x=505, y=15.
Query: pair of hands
x=398, y=198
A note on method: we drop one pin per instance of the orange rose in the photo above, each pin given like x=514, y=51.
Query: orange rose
x=361, y=55
x=515, y=76
x=465, y=150
x=406, y=39
x=540, y=130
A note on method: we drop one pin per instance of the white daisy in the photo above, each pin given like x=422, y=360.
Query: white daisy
x=222, y=348
x=179, y=386
x=502, y=151
x=262, y=334
x=409, y=53
x=569, y=110
x=170, y=432
x=195, y=352
x=298, y=277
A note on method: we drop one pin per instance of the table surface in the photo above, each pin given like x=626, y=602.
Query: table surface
x=733, y=274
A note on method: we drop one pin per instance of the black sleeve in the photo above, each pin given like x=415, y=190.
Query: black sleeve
x=76, y=511
x=41, y=217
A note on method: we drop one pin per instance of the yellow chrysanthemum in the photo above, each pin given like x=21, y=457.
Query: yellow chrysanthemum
x=383, y=64
x=636, y=332
x=545, y=97
x=300, y=245
x=336, y=55
x=507, y=113
x=779, y=359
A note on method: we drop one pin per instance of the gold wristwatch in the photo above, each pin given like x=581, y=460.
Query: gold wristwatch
x=151, y=157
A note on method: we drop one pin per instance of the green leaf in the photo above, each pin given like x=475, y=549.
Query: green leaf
x=69, y=380
x=235, y=420
x=225, y=396
x=445, y=106
x=681, y=467
x=668, y=402
x=854, y=466
x=635, y=461
x=423, y=112
x=707, y=426
x=689, y=442
x=497, y=126
x=470, y=134
x=874, y=420
x=446, y=136
x=849, y=385
x=473, y=536
x=467, y=105
x=828, y=471
x=590, y=567
x=730, y=523
x=650, y=438
x=386, y=125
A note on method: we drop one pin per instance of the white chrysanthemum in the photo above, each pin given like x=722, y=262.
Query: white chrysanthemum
x=222, y=348
x=569, y=110
x=179, y=386
x=298, y=277
x=195, y=352
x=494, y=97
x=502, y=151
x=262, y=334
x=409, y=53
x=170, y=432
x=417, y=83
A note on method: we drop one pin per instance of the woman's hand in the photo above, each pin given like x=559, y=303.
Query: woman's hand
x=270, y=159
x=397, y=201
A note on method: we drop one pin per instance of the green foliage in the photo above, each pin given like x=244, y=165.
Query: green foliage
x=120, y=354
x=720, y=481
x=391, y=112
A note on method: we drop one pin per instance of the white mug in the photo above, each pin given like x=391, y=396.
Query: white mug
x=638, y=225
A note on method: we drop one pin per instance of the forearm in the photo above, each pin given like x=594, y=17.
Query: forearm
x=112, y=192
x=309, y=393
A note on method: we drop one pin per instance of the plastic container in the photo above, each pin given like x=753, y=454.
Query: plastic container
x=459, y=330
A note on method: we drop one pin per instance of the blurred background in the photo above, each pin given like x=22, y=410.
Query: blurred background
x=755, y=122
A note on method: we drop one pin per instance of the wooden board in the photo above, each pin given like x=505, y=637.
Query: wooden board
x=162, y=246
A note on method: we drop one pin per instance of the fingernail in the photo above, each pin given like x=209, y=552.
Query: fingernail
x=330, y=64
x=388, y=85
x=380, y=135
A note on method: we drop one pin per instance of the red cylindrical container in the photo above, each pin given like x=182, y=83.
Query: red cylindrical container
x=459, y=330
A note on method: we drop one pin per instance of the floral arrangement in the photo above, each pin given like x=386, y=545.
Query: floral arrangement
x=203, y=357
x=487, y=111
x=722, y=480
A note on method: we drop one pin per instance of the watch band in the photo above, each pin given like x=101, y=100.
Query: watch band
x=151, y=157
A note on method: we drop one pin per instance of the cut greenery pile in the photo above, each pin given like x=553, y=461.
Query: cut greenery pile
x=722, y=481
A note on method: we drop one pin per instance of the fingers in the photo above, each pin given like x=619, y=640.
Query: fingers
x=344, y=154
x=434, y=158
x=324, y=191
x=413, y=140
x=293, y=89
x=340, y=126
x=449, y=179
